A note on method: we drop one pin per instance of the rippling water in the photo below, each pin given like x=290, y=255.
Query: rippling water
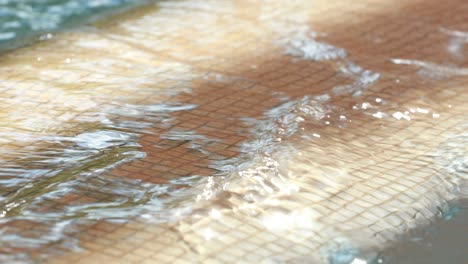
x=333, y=172
x=22, y=20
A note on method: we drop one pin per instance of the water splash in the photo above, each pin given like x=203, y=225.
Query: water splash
x=57, y=167
x=457, y=43
x=304, y=45
x=364, y=78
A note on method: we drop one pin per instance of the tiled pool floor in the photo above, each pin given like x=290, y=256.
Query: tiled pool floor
x=229, y=131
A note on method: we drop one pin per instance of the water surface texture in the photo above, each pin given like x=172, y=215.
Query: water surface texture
x=240, y=131
x=22, y=20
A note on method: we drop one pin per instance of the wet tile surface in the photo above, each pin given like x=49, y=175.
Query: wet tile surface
x=226, y=131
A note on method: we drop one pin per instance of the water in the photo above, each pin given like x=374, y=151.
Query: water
x=24, y=20
x=445, y=239
x=151, y=129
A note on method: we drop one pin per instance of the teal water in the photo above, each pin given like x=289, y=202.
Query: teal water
x=444, y=241
x=23, y=21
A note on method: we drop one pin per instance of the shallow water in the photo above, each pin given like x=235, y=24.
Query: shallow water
x=347, y=171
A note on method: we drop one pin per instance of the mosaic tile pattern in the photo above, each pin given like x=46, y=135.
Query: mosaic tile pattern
x=240, y=131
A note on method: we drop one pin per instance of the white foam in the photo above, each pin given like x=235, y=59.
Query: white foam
x=304, y=45
x=101, y=139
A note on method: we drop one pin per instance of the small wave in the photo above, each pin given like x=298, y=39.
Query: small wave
x=432, y=69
